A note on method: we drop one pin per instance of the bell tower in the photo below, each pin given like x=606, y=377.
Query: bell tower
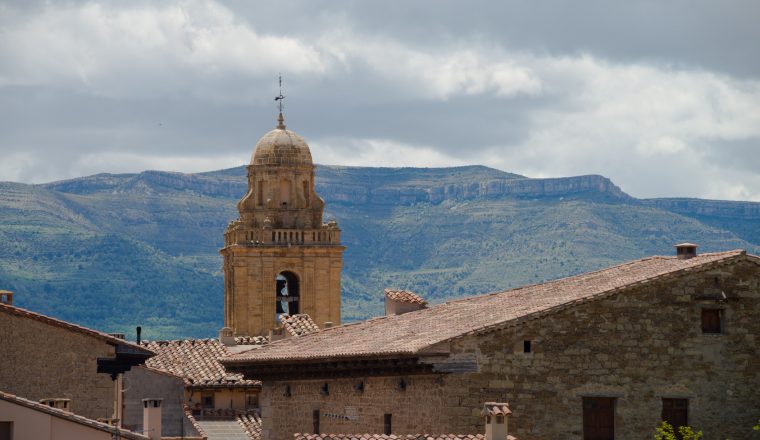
x=279, y=257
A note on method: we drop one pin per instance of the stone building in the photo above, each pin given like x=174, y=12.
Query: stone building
x=43, y=357
x=601, y=355
x=279, y=256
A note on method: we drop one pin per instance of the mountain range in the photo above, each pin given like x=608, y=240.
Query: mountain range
x=112, y=251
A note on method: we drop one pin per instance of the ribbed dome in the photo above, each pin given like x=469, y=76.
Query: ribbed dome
x=281, y=147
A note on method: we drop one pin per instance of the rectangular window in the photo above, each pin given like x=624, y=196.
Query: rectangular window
x=387, y=428
x=6, y=430
x=712, y=320
x=675, y=412
x=598, y=418
x=315, y=421
x=208, y=400
x=526, y=347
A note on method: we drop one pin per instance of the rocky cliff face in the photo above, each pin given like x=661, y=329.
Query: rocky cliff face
x=521, y=187
x=711, y=208
x=393, y=186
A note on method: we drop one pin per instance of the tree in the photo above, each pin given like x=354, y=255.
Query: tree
x=666, y=432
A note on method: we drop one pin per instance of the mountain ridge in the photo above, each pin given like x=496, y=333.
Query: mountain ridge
x=117, y=250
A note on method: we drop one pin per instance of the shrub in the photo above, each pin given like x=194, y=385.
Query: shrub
x=666, y=432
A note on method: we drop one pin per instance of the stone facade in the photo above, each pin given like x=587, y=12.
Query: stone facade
x=280, y=240
x=638, y=346
x=39, y=360
x=142, y=383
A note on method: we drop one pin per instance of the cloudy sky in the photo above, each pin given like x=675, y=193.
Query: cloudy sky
x=662, y=97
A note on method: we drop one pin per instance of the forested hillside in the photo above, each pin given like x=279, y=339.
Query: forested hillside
x=115, y=251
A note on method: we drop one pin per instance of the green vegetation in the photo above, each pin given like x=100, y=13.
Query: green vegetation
x=666, y=432
x=116, y=251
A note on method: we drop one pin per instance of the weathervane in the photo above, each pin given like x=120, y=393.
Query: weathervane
x=279, y=98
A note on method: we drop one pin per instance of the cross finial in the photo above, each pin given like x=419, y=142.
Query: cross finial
x=279, y=98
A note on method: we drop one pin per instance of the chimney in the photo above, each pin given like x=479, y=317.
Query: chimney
x=152, y=418
x=119, y=335
x=684, y=251
x=139, y=332
x=496, y=415
x=59, y=402
x=398, y=302
x=227, y=337
x=6, y=297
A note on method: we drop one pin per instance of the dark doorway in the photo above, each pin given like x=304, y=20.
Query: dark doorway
x=387, y=424
x=675, y=412
x=287, y=293
x=598, y=418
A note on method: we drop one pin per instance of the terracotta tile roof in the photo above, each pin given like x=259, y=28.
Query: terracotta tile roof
x=392, y=437
x=55, y=412
x=17, y=311
x=251, y=424
x=410, y=333
x=298, y=325
x=251, y=340
x=195, y=360
x=404, y=296
x=495, y=409
x=196, y=425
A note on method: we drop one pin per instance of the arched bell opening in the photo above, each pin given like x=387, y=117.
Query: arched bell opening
x=287, y=293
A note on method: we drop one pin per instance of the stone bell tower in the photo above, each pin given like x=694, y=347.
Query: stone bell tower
x=279, y=257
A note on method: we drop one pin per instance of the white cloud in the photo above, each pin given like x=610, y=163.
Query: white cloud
x=652, y=128
x=143, y=49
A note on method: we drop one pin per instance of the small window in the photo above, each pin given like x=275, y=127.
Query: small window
x=387, y=427
x=315, y=420
x=208, y=400
x=526, y=346
x=675, y=412
x=712, y=321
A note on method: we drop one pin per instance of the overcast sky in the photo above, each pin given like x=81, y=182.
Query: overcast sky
x=662, y=97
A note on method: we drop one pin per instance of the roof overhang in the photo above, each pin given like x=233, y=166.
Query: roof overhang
x=331, y=369
x=126, y=357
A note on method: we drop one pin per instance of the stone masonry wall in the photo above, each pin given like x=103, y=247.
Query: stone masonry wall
x=638, y=346
x=347, y=410
x=39, y=360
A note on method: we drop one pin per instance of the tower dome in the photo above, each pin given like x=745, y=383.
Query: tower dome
x=281, y=147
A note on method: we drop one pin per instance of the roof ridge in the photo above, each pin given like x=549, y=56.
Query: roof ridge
x=18, y=311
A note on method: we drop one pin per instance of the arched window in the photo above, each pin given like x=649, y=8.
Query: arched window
x=287, y=294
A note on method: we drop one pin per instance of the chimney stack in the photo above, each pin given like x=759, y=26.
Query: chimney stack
x=227, y=337
x=139, y=333
x=60, y=403
x=496, y=415
x=152, y=418
x=684, y=251
x=398, y=302
x=6, y=297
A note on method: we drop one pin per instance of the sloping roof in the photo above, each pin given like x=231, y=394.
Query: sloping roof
x=392, y=437
x=298, y=325
x=251, y=424
x=55, y=412
x=408, y=334
x=17, y=311
x=404, y=296
x=195, y=360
